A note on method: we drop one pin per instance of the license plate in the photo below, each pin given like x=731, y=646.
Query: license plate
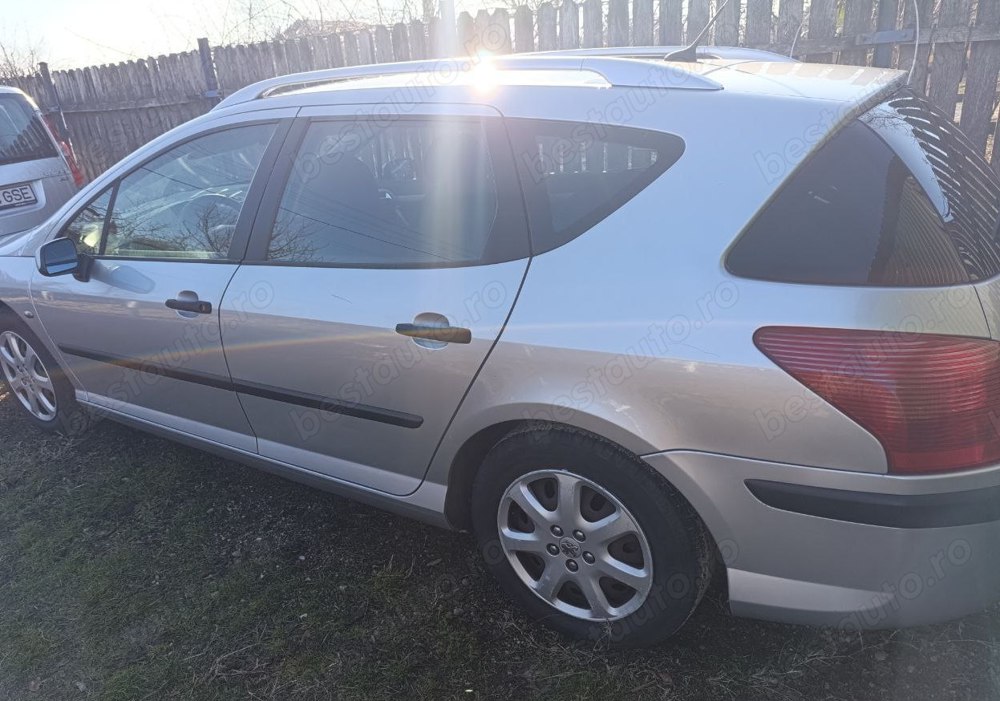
x=17, y=196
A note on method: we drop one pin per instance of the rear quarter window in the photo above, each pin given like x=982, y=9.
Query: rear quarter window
x=22, y=135
x=898, y=197
x=575, y=174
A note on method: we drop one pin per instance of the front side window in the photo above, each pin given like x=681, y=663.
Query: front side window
x=897, y=197
x=23, y=137
x=185, y=203
x=576, y=174
x=409, y=192
x=87, y=227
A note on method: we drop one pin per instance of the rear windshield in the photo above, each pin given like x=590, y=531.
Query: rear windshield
x=898, y=197
x=22, y=135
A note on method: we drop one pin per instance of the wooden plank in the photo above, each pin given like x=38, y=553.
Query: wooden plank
x=569, y=25
x=949, y=59
x=335, y=50
x=481, y=25
x=697, y=17
x=366, y=48
x=435, y=40
x=618, y=25
x=859, y=18
x=758, y=23
x=789, y=24
x=906, y=51
x=670, y=31
x=593, y=24
x=307, y=62
x=642, y=22
x=418, y=40
x=981, y=80
x=352, y=49
x=524, y=29
x=383, y=45
x=822, y=27
x=499, y=39
x=400, y=42
x=886, y=17
x=547, y=35
x=318, y=51
x=727, y=28
x=466, y=34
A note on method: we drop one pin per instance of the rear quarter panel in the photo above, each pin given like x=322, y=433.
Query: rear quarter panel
x=636, y=331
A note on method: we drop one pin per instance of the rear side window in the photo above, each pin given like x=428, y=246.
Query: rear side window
x=399, y=193
x=576, y=174
x=22, y=135
x=898, y=197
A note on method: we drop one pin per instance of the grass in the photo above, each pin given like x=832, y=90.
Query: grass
x=133, y=568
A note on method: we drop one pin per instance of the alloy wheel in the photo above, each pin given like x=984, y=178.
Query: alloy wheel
x=27, y=376
x=575, y=545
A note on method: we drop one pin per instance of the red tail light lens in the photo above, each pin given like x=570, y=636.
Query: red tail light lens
x=74, y=165
x=931, y=400
x=67, y=151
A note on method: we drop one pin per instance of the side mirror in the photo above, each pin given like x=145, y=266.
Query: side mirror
x=59, y=257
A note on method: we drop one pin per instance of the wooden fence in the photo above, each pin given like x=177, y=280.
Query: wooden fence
x=110, y=110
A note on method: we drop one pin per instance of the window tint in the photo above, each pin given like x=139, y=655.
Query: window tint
x=186, y=202
x=575, y=174
x=86, y=227
x=404, y=193
x=22, y=135
x=858, y=211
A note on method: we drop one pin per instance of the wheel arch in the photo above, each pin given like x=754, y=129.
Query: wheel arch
x=483, y=429
x=470, y=455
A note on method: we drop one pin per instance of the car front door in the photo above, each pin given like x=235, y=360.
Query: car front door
x=142, y=333
x=383, y=266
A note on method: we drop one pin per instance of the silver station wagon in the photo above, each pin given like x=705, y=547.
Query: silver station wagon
x=636, y=323
x=36, y=178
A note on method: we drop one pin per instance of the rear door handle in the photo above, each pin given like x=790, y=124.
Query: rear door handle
x=194, y=306
x=442, y=334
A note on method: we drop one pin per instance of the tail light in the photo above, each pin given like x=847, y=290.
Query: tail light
x=67, y=151
x=74, y=165
x=931, y=400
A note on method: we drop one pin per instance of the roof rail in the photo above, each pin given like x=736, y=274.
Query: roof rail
x=735, y=53
x=617, y=71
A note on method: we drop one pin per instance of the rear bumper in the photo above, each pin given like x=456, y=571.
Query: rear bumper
x=847, y=549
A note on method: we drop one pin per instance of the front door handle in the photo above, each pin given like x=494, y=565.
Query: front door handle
x=442, y=334
x=194, y=306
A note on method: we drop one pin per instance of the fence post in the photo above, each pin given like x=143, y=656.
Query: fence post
x=886, y=19
x=52, y=98
x=208, y=68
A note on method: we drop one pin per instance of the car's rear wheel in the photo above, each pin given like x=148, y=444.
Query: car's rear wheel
x=588, y=538
x=35, y=381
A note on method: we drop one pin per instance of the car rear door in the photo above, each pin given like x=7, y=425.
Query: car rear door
x=142, y=333
x=34, y=178
x=383, y=266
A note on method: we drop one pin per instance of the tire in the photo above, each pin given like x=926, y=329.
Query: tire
x=62, y=414
x=616, y=488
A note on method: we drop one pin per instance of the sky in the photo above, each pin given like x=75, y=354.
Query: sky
x=77, y=33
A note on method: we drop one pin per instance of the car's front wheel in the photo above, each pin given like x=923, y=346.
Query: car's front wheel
x=588, y=538
x=35, y=381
